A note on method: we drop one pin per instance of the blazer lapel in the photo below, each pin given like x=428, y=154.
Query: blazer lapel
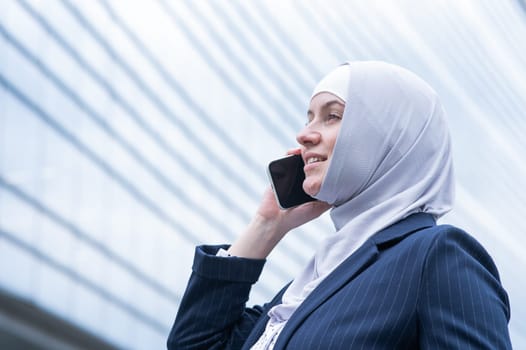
x=352, y=267
x=345, y=272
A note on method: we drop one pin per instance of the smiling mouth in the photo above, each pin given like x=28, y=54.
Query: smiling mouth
x=314, y=160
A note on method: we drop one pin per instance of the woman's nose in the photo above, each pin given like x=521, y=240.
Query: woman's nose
x=308, y=136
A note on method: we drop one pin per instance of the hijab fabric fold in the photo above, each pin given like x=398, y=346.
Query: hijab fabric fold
x=392, y=158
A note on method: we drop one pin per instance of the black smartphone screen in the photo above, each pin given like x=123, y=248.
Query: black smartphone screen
x=286, y=175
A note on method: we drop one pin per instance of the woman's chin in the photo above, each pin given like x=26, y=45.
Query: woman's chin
x=311, y=188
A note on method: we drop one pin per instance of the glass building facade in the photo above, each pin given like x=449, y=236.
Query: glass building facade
x=131, y=131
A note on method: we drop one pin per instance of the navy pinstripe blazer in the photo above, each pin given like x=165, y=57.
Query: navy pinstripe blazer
x=414, y=285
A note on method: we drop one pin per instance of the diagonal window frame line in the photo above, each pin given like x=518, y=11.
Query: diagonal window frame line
x=176, y=87
x=487, y=75
x=177, y=19
x=106, y=168
x=73, y=275
x=293, y=254
x=130, y=188
x=289, y=105
x=162, y=71
x=274, y=129
x=89, y=240
x=239, y=180
x=323, y=35
x=172, y=188
x=132, y=112
x=129, y=148
x=278, y=59
x=280, y=34
x=276, y=132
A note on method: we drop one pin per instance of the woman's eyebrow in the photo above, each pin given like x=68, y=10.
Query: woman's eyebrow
x=332, y=102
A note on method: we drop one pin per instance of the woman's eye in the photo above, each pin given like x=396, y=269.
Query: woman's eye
x=333, y=116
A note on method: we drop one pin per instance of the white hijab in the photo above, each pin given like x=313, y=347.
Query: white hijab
x=392, y=158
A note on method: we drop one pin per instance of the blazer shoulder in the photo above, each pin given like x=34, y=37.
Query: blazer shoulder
x=447, y=241
x=445, y=232
x=460, y=280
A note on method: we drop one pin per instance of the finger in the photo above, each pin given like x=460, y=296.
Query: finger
x=294, y=151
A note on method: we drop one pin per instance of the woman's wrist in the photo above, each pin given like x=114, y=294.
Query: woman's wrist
x=258, y=239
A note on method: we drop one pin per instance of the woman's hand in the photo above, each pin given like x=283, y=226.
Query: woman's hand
x=271, y=223
x=284, y=220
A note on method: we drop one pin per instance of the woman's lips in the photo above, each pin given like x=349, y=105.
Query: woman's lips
x=312, y=163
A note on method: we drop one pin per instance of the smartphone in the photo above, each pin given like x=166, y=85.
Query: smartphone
x=286, y=177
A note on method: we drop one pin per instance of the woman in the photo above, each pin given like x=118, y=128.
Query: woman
x=377, y=152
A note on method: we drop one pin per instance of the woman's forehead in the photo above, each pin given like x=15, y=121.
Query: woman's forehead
x=336, y=82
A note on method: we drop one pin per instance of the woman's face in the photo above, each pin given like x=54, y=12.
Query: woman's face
x=318, y=138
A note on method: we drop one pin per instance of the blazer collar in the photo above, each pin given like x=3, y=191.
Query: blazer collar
x=403, y=228
x=352, y=267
